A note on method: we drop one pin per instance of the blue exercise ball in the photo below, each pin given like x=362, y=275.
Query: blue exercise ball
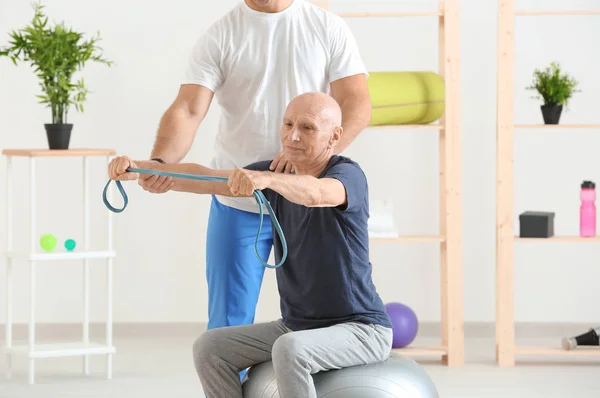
x=397, y=377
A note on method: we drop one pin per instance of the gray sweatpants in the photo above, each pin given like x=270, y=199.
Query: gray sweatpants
x=220, y=354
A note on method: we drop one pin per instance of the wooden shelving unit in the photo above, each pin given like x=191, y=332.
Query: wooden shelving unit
x=506, y=349
x=578, y=239
x=449, y=239
x=557, y=126
x=557, y=12
x=557, y=351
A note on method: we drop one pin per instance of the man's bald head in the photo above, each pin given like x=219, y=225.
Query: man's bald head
x=319, y=105
x=312, y=126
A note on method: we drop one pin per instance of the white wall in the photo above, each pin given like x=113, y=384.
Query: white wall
x=159, y=273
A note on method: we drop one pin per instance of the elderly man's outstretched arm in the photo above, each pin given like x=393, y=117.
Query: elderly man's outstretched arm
x=304, y=190
x=307, y=190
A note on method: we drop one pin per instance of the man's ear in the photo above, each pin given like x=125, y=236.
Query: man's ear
x=336, y=136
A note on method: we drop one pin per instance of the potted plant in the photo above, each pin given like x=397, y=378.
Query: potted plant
x=56, y=54
x=555, y=88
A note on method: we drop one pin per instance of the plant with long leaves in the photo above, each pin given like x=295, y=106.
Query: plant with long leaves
x=553, y=86
x=56, y=54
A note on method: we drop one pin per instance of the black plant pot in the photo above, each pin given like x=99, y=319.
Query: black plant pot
x=551, y=113
x=58, y=135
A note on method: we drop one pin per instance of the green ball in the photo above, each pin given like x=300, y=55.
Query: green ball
x=48, y=242
x=70, y=244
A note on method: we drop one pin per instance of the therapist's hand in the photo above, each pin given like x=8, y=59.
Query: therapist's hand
x=153, y=183
x=281, y=165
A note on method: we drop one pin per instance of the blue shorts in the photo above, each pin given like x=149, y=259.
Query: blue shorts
x=233, y=272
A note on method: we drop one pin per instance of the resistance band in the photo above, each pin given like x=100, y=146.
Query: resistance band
x=260, y=200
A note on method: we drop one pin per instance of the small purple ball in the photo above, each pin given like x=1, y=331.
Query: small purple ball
x=404, y=324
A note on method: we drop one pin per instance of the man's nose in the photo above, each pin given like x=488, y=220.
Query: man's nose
x=295, y=135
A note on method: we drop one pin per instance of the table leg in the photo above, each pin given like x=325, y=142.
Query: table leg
x=109, y=287
x=32, y=287
x=86, y=267
x=9, y=279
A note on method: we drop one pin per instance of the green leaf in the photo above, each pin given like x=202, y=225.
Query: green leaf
x=553, y=86
x=55, y=53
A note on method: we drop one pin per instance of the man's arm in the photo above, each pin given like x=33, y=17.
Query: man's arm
x=307, y=190
x=352, y=94
x=348, y=81
x=118, y=170
x=178, y=125
x=304, y=190
x=197, y=186
x=177, y=131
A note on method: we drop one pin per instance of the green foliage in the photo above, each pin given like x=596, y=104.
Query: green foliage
x=56, y=54
x=554, y=87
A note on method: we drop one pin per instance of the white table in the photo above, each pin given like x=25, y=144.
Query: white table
x=85, y=347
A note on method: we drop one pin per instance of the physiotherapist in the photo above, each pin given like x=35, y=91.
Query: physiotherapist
x=254, y=60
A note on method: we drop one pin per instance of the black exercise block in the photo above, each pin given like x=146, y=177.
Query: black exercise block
x=536, y=224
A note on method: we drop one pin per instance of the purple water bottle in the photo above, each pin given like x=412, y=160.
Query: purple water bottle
x=587, y=211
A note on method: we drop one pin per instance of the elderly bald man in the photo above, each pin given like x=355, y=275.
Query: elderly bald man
x=332, y=315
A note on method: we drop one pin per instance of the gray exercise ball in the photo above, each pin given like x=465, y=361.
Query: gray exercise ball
x=398, y=377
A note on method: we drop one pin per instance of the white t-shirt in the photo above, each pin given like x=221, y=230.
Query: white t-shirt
x=256, y=63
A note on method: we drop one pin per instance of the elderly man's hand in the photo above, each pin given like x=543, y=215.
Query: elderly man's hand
x=117, y=169
x=281, y=165
x=243, y=182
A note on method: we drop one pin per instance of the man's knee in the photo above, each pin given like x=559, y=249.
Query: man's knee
x=206, y=347
x=286, y=349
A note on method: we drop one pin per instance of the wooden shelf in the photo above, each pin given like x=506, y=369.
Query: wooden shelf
x=557, y=351
x=390, y=14
x=574, y=238
x=506, y=349
x=409, y=127
x=557, y=126
x=421, y=351
x=58, y=152
x=558, y=12
x=411, y=238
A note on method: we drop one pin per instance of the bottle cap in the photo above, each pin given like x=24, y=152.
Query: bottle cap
x=588, y=184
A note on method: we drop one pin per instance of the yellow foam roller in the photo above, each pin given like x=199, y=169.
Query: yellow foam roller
x=405, y=97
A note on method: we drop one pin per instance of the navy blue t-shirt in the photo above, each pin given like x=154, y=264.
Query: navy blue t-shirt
x=326, y=278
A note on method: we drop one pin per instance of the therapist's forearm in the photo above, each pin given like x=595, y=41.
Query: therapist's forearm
x=175, y=135
x=179, y=123
x=192, y=186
